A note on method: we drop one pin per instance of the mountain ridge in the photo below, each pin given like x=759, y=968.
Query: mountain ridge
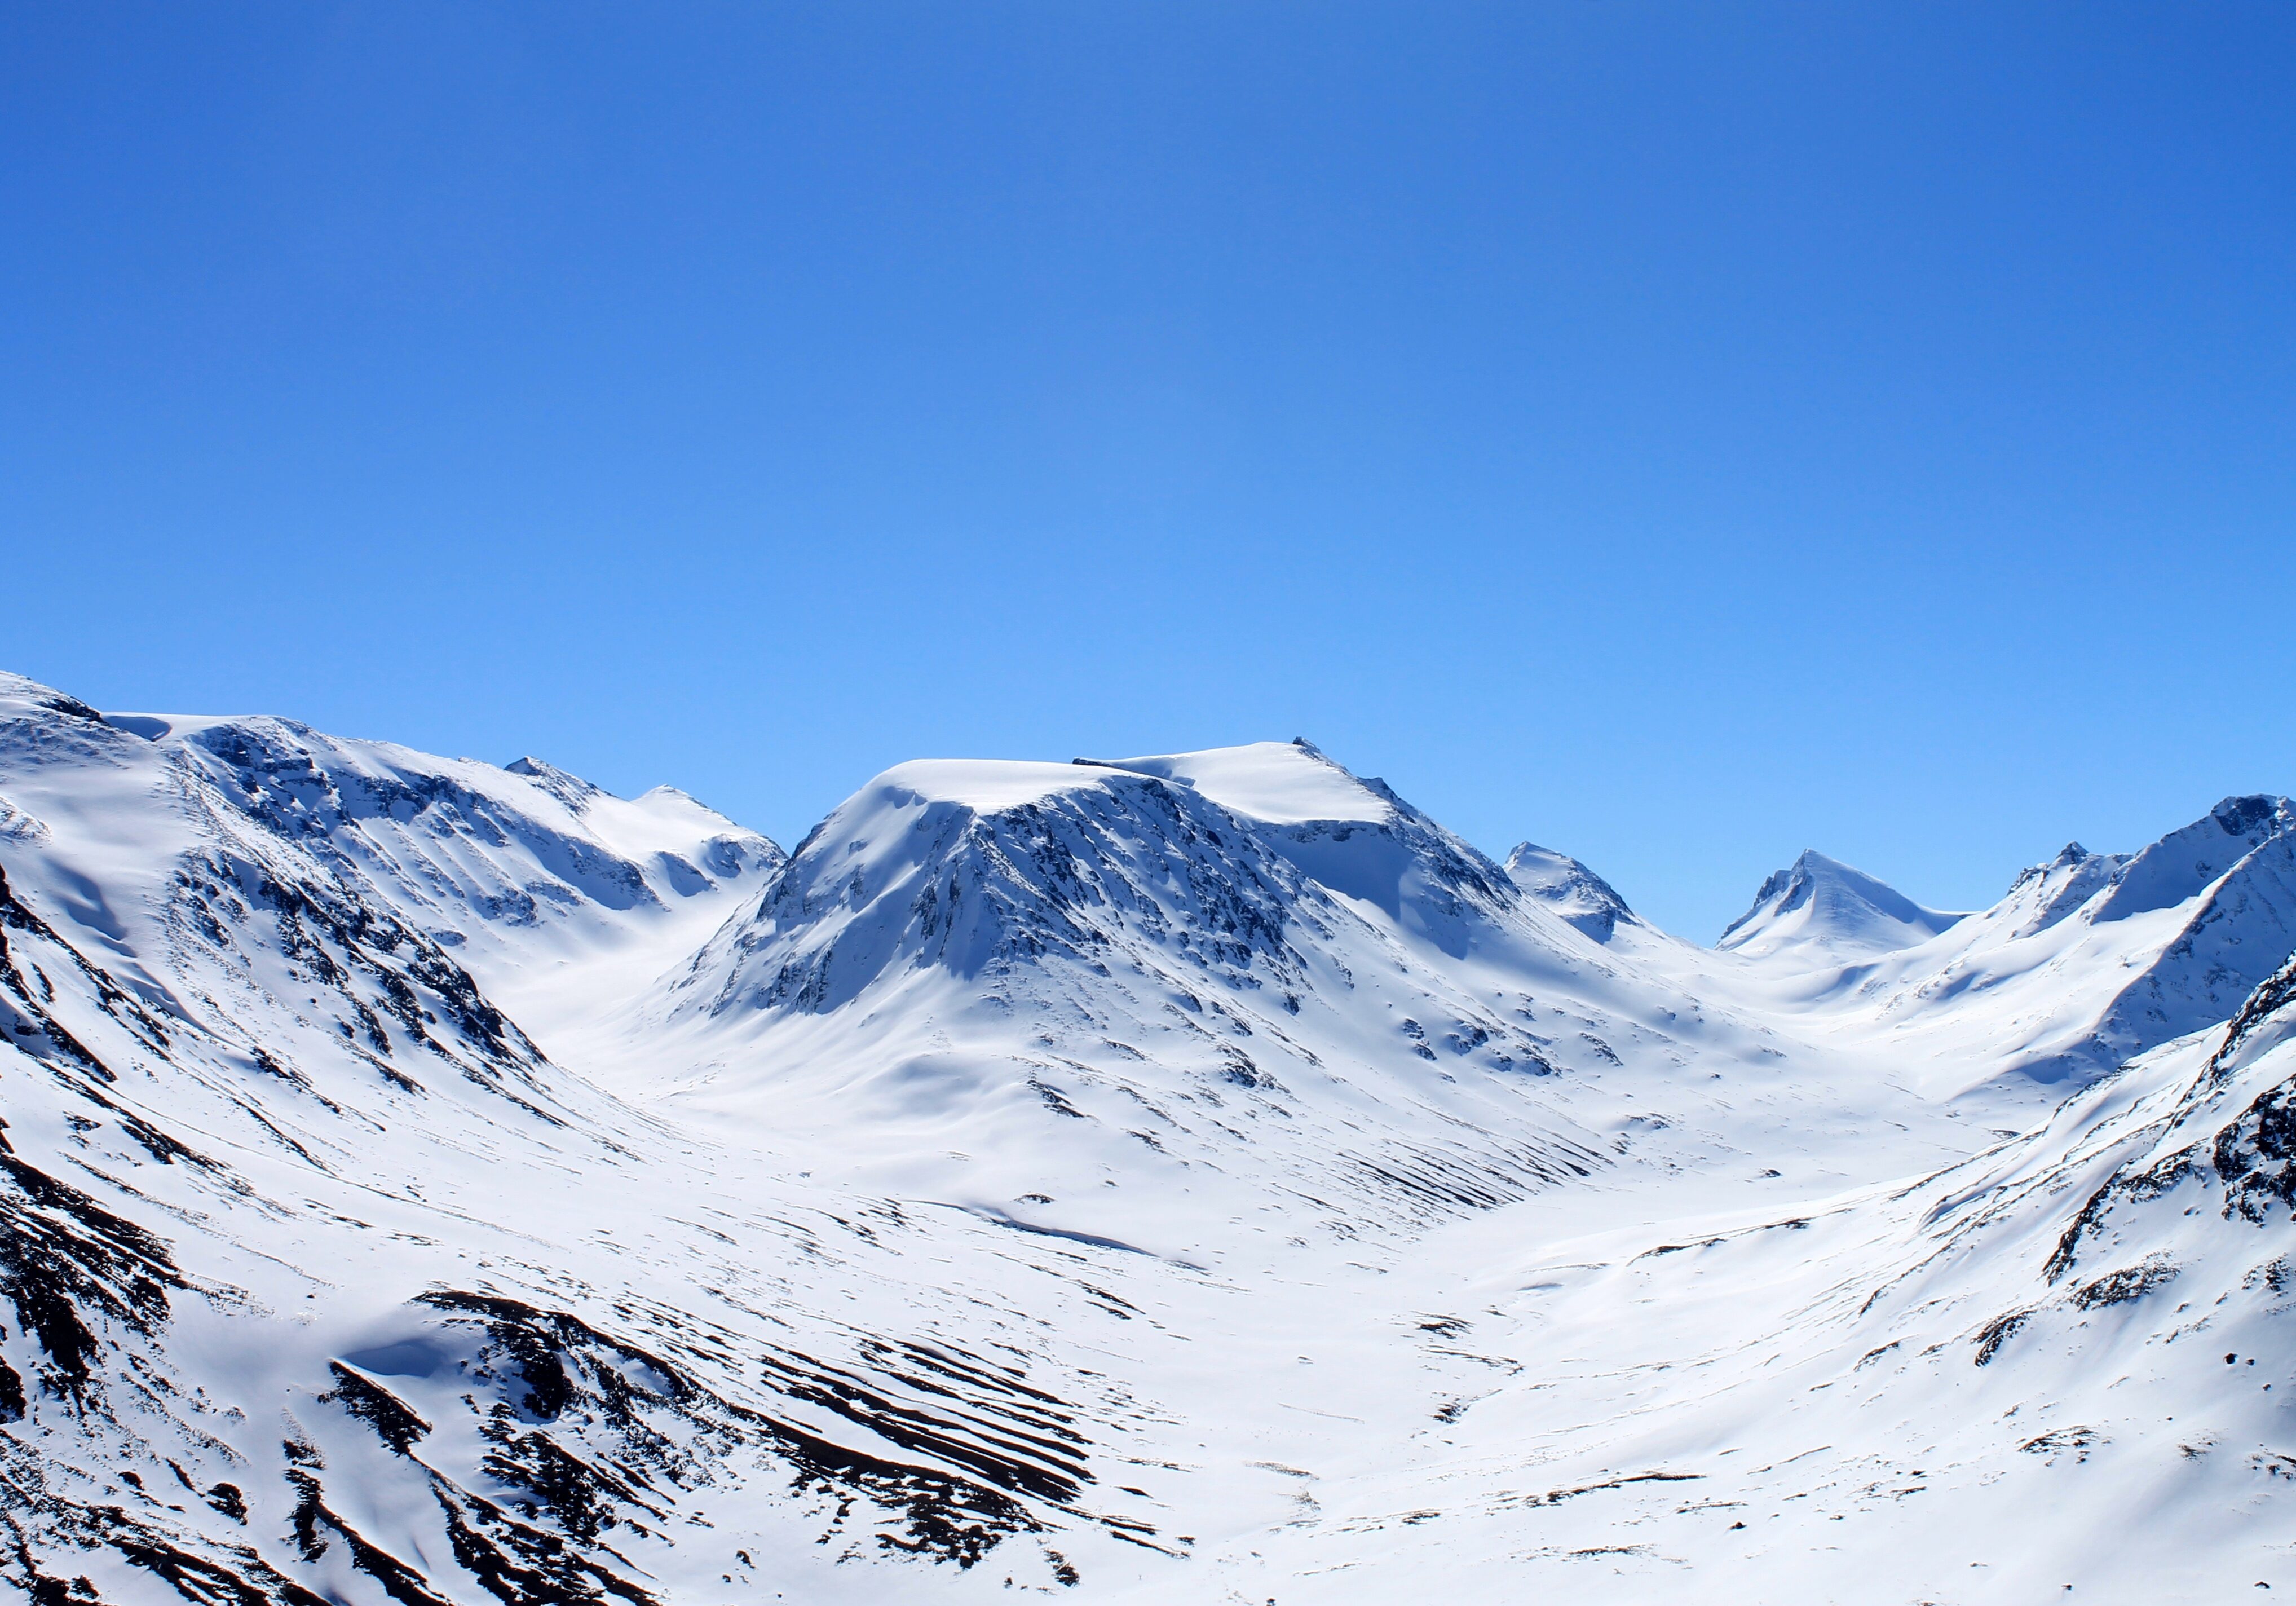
x=2088, y=960
x=1190, y=1177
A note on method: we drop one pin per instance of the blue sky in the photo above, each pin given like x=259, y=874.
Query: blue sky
x=1678, y=434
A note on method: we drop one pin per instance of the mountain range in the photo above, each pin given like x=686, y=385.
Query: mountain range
x=1189, y=1177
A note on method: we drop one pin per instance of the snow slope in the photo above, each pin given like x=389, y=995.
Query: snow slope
x=1189, y=1177
x=2059, y=1365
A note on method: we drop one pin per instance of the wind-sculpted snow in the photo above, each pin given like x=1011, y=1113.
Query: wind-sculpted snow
x=1178, y=1178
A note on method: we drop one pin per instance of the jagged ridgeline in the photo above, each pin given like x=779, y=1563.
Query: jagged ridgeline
x=1191, y=1178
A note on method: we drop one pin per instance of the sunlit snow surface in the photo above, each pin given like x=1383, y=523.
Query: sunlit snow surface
x=1188, y=1178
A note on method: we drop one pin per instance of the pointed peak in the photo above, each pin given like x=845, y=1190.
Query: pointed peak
x=1825, y=911
x=1530, y=856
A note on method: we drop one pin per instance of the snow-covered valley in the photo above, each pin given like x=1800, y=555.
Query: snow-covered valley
x=1199, y=1177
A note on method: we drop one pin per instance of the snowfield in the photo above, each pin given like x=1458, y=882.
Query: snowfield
x=1196, y=1178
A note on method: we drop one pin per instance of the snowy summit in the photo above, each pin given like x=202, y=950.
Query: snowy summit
x=1818, y=908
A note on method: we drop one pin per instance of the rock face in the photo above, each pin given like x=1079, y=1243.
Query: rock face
x=1190, y=1177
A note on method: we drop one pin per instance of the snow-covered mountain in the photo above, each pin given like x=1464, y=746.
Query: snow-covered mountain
x=1571, y=889
x=1191, y=1178
x=1240, y=979
x=1818, y=911
x=2088, y=960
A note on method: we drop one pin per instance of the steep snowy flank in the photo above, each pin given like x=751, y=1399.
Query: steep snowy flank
x=2051, y=891
x=472, y=849
x=1818, y=911
x=977, y=866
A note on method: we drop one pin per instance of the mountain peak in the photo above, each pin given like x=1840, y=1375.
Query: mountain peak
x=1580, y=896
x=2242, y=817
x=1820, y=908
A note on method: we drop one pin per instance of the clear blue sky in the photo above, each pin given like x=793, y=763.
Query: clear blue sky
x=1679, y=434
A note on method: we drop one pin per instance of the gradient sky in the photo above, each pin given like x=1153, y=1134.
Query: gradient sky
x=1676, y=434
